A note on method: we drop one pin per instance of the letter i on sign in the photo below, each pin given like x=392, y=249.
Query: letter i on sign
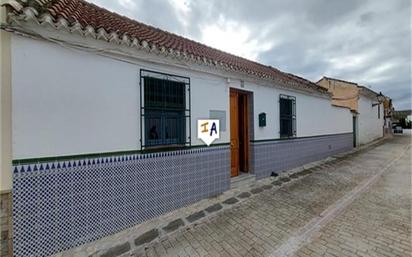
x=208, y=130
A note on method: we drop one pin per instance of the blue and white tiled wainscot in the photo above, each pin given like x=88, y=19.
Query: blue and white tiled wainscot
x=279, y=155
x=63, y=204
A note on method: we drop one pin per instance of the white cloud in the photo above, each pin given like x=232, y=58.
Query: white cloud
x=181, y=5
x=128, y=4
x=235, y=38
x=379, y=73
x=349, y=61
x=182, y=10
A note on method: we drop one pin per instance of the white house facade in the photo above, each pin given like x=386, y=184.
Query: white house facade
x=371, y=118
x=66, y=94
x=104, y=126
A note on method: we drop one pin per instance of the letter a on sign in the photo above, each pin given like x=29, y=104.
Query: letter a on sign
x=208, y=130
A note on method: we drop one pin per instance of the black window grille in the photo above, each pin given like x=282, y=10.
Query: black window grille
x=165, y=109
x=287, y=114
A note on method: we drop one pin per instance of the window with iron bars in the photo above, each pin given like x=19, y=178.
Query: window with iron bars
x=164, y=110
x=287, y=115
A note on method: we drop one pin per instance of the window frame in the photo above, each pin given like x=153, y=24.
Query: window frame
x=292, y=117
x=144, y=111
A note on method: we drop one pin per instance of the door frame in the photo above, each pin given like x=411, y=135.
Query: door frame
x=243, y=112
x=355, y=130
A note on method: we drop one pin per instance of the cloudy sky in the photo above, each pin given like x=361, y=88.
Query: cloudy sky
x=365, y=41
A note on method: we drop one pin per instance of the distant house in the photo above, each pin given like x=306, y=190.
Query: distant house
x=99, y=122
x=367, y=106
x=388, y=113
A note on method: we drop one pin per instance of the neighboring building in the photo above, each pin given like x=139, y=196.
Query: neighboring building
x=103, y=113
x=371, y=117
x=388, y=110
x=366, y=106
x=344, y=93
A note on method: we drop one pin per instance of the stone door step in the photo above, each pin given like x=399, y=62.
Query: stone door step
x=242, y=181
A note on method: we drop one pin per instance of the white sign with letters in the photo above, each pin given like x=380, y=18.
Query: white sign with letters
x=208, y=130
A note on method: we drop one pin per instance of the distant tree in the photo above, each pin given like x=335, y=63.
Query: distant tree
x=404, y=123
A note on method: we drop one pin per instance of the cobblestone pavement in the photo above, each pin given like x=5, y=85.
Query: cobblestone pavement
x=358, y=205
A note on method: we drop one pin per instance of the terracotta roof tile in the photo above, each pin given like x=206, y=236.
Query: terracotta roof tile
x=87, y=13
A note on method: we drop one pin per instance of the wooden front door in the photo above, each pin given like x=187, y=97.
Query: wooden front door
x=239, y=134
x=234, y=133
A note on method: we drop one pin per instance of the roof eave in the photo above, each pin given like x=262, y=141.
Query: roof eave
x=26, y=15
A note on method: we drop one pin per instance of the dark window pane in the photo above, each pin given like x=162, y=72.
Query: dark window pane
x=286, y=127
x=174, y=128
x=153, y=126
x=164, y=104
x=287, y=113
x=286, y=107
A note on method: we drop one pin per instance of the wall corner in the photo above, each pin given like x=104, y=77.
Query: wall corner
x=6, y=243
x=5, y=107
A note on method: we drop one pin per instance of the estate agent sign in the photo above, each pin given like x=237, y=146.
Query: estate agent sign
x=208, y=130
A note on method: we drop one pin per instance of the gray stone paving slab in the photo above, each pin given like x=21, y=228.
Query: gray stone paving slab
x=146, y=237
x=195, y=216
x=295, y=175
x=285, y=179
x=256, y=190
x=172, y=226
x=214, y=208
x=117, y=250
x=231, y=200
x=267, y=187
x=277, y=183
x=244, y=195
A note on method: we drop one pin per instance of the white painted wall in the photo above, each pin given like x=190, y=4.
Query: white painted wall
x=68, y=102
x=370, y=126
x=71, y=102
x=314, y=115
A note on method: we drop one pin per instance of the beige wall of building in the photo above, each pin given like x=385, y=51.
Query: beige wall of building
x=5, y=107
x=345, y=94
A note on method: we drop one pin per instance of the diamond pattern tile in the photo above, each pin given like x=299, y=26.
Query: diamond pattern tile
x=279, y=155
x=57, y=206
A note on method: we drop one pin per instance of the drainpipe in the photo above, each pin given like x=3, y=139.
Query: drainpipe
x=5, y=139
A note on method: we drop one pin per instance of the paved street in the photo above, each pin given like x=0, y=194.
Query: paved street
x=358, y=205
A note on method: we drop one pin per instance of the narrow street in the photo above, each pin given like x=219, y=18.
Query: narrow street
x=358, y=205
